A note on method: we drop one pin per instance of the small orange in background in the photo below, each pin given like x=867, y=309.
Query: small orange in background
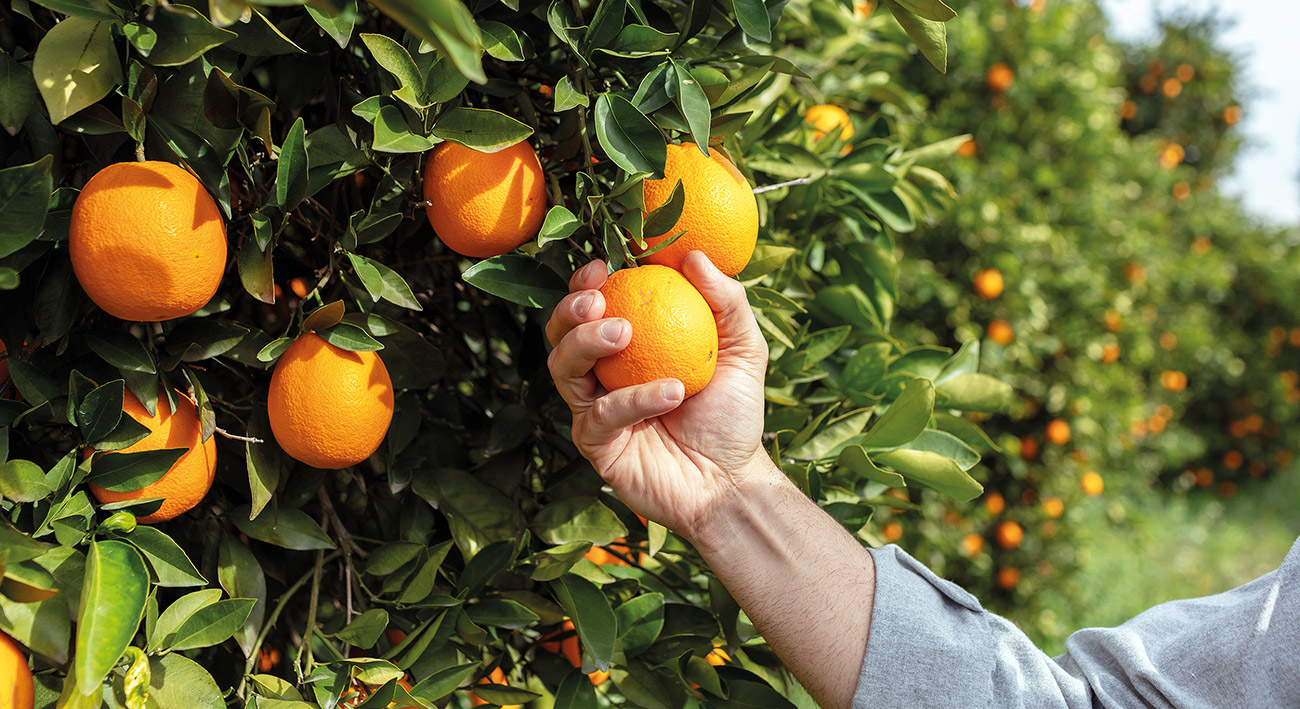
x=546, y=90
x=1185, y=73
x=17, y=690
x=1114, y=321
x=1058, y=432
x=1110, y=353
x=1008, y=577
x=1135, y=272
x=607, y=555
x=1182, y=191
x=299, y=286
x=188, y=480
x=1172, y=87
x=1232, y=115
x=717, y=656
x=1000, y=77
x=989, y=283
x=972, y=544
x=1000, y=332
x=720, y=216
x=1171, y=156
x=1008, y=535
x=995, y=503
x=484, y=204
x=1201, y=245
x=826, y=118
x=1204, y=477
x=862, y=9
x=1232, y=460
x=1168, y=341
x=497, y=676
x=147, y=241
x=1227, y=489
x=1028, y=447
x=673, y=330
x=329, y=408
x=1092, y=483
x=564, y=642
x=1053, y=507
x=1128, y=111
x=892, y=531
x=968, y=148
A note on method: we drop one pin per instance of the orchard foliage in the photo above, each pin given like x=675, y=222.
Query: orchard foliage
x=447, y=563
x=1146, y=309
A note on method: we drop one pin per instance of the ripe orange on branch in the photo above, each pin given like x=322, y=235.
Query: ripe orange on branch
x=674, y=334
x=147, y=242
x=1058, y=432
x=1008, y=535
x=484, y=204
x=17, y=691
x=1000, y=77
x=826, y=118
x=989, y=283
x=189, y=478
x=720, y=215
x=329, y=408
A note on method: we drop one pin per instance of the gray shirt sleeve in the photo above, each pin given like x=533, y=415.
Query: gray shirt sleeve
x=931, y=644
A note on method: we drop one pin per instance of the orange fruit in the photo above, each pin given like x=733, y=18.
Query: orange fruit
x=1171, y=156
x=362, y=692
x=1000, y=77
x=564, y=642
x=892, y=531
x=1092, y=484
x=495, y=677
x=1128, y=110
x=1110, y=353
x=329, y=408
x=972, y=544
x=1053, y=507
x=606, y=555
x=1172, y=87
x=147, y=242
x=720, y=215
x=1028, y=447
x=1231, y=115
x=1008, y=577
x=967, y=149
x=673, y=330
x=484, y=204
x=826, y=118
x=300, y=287
x=995, y=503
x=1058, y=432
x=1008, y=535
x=717, y=656
x=17, y=691
x=989, y=283
x=188, y=480
x=1000, y=332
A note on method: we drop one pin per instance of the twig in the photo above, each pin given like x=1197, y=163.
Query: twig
x=309, y=630
x=779, y=185
x=245, y=439
x=270, y=621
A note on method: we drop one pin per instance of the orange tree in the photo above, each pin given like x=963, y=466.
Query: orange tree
x=455, y=534
x=1144, y=319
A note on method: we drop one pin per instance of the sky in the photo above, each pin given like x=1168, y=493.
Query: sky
x=1267, y=174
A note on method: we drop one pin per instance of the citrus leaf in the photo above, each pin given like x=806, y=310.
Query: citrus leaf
x=447, y=25
x=393, y=135
x=286, y=527
x=629, y=138
x=113, y=592
x=482, y=129
x=694, y=105
x=933, y=470
x=177, y=681
x=241, y=576
x=592, y=616
x=518, y=279
x=974, y=392
x=183, y=35
x=349, y=337
x=22, y=481
x=121, y=349
x=397, y=61
x=575, y=519
x=567, y=97
x=752, y=17
x=560, y=224
x=125, y=472
x=76, y=65
x=931, y=37
x=101, y=409
x=211, y=624
x=169, y=562
x=291, y=170
x=906, y=417
x=24, y=199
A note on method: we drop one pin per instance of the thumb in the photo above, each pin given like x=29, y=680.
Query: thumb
x=737, y=329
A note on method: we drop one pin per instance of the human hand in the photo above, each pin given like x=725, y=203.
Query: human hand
x=670, y=460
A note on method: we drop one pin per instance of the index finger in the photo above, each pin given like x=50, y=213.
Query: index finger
x=589, y=277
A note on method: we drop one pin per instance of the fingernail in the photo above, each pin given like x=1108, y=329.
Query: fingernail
x=582, y=305
x=673, y=391
x=611, y=330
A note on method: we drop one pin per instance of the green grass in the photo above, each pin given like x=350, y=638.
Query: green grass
x=1136, y=555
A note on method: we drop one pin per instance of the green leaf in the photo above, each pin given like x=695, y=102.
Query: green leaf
x=482, y=129
x=338, y=25
x=447, y=25
x=177, y=681
x=663, y=218
x=639, y=622
x=241, y=576
x=122, y=350
x=501, y=41
x=169, y=562
x=101, y=409
x=264, y=462
x=210, y=625
x=974, y=392
x=578, y=519
x=855, y=458
x=933, y=470
x=183, y=35
x=929, y=9
x=501, y=613
x=444, y=682
x=90, y=9
x=931, y=37
x=164, y=626
x=518, y=279
x=946, y=445
x=17, y=94
x=906, y=417
x=22, y=481
x=689, y=97
x=629, y=138
x=575, y=691
x=397, y=61
x=365, y=629
x=24, y=199
x=113, y=592
x=594, y=620
x=291, y=170
x=833, y=438
x=393, y=134
x=257, y=271
x=752, y=17
x=76, y=65
x=325, y=316
x=484, y=565
x=605, y=23
x=124, y=472
x=567, y=97
x=350, y=337
x=286, y=527
x=383, y=282
x=560, y=224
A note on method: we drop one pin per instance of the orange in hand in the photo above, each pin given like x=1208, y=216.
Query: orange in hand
x=674, y=333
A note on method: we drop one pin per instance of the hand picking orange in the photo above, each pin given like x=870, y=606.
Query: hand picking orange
x=674, y=334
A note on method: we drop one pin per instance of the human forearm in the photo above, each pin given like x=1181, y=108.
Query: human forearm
x=805, y=582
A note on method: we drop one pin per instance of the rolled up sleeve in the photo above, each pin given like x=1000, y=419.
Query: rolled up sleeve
x=931, y=644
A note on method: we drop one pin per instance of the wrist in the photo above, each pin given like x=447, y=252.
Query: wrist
x=739, y=512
